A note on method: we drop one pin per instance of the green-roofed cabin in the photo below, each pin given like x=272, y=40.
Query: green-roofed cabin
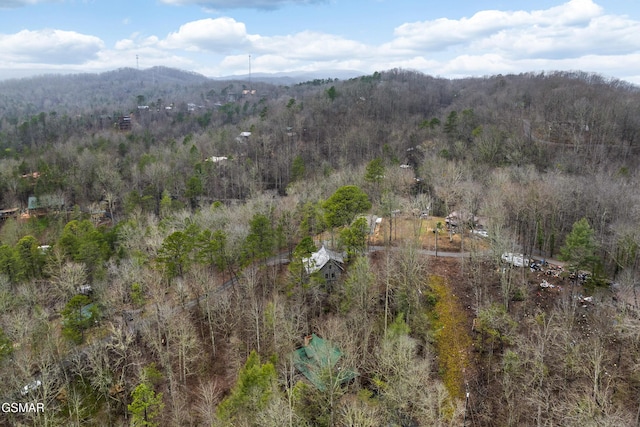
x=41, y=205
x=315, y=360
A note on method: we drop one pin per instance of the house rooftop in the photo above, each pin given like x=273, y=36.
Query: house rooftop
x=316, y=357
x=320, y=258
x=45, y=201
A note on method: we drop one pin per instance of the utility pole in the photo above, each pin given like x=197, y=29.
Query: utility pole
x=466, y=404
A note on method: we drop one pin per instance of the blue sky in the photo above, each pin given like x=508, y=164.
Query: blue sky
x=455, y=38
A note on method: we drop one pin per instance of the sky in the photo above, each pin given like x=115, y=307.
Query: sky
x=216, y=38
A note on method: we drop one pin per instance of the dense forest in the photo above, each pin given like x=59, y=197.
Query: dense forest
x=157, y=232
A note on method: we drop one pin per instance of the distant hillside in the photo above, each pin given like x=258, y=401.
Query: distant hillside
x=122, y=89
x=290, y=78
x=77, y=92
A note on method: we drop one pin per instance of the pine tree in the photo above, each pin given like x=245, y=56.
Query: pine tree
x=145, y=406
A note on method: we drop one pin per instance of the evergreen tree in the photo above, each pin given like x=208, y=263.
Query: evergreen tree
x=174, y=254
x=354, y=238
x=297, y=168
x=10, y=263
x=303, y=250
x=82, y=242
x=343, y=205
x=261, y=238
x=145, y=406
x=580, y=247
x=211, y=249
x=374, y=172
x=78, y=315
x=31, y=258
x=256, y=384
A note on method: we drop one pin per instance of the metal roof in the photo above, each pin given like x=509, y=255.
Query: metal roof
x=316, y=357
x=320, y=258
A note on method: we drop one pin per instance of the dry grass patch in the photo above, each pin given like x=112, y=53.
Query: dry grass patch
x=451, y=334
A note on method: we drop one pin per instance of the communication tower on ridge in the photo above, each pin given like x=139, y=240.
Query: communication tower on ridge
x=250, y=86
x=251, y=90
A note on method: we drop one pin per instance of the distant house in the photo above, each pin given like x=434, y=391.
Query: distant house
x=100, y=217
x=34, y=175
x=328, y=264
x=41, y=205
x=456, y=218
x=8, y=213
x=216, y=159
x=85, y=290
x=243, y=137
x=124, y=123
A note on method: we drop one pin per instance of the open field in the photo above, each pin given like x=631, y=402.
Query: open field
x=406, y=227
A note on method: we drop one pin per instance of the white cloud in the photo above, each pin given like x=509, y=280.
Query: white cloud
x=574, y=35
x=10, y=4
x=241, y=4
x=49, y=46
x=601, y=35
x=136, y=43
x=309, y=45
x=218, y=35
x=444, y=33
x=578, y=34
x=239, y=64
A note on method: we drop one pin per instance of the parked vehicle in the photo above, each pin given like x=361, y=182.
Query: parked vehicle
x=29, y=387
x=482, y=233
x=517, y=260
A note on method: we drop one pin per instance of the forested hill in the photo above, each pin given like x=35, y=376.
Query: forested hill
x=182, y=125
x=82, y=93
x=497, y=120
x=158, y=234
x=574, y=123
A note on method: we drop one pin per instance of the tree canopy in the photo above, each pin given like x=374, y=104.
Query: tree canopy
x=256, y=383
x=261, y=239
x=580, y=247
x=77, y=316
x=343, y=205
x=145, y=406
x=374, y=172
